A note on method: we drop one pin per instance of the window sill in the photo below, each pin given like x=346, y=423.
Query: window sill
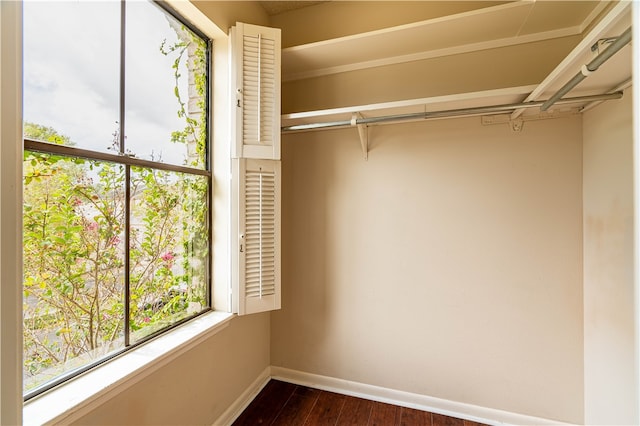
x=76, y=397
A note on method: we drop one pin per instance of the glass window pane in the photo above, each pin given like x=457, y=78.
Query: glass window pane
x=73, y=248
x=71, y=72
x=76, y=291
x=165, y=107
x=168, y=249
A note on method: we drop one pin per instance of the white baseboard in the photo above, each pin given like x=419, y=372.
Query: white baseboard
x=406, y=399
x=243, y=401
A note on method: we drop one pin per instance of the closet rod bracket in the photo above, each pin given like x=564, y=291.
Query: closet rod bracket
x=516, y=125
x=363, y=133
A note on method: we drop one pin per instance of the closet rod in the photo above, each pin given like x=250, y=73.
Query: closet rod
x=587, y=69
x=494, y=109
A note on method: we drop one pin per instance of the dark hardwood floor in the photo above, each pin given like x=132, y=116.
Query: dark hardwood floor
x=281, y=403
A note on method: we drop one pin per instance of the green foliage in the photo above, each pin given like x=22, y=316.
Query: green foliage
x=44, y=134
x=74, y=233
x=195, y=130
x=73, y=265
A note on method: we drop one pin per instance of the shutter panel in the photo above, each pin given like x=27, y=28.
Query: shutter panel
x=257, y=246
x=256, y=81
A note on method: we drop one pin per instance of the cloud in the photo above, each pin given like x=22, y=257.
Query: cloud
x=72, y=81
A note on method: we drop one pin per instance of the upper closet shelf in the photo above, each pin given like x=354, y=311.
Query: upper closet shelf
x=492, y=27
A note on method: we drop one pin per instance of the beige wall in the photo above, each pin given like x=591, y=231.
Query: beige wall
x=448, y=265
x=610, y=390
x=197, y=387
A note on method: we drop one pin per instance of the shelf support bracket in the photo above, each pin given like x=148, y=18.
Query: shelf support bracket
x=363, y=133
x=516, y=125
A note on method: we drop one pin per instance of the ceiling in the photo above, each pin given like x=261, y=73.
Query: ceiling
x=276, y=7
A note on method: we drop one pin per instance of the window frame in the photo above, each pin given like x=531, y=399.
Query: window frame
x=128, y=161
x=10, y=212
x=67, y=404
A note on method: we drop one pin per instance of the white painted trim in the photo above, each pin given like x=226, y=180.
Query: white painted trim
x=407, y=399
x=636, y=180
x=10, y=212
x=70, y=401
x=243, y=401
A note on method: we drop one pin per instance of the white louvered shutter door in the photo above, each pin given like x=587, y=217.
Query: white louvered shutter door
x=257, y=250
x=256, y=81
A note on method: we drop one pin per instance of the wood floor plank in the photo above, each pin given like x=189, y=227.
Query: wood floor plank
x=384, y=415
x=285, y=404
x=472, y=423
x=298, y=407
x=412, y=417
x=355, y=412
x=326, y=409
x=266, y=406
x=442, y=420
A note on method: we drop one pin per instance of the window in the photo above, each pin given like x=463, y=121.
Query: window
x=117, y=182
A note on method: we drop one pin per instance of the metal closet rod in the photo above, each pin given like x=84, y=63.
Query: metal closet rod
x=587, y=69
x=494, y=109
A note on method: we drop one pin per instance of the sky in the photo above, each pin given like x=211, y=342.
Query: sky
x=72, y=75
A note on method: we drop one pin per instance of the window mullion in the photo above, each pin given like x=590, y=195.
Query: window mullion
x=127, y=247
x=123, y=21
x=127, y=188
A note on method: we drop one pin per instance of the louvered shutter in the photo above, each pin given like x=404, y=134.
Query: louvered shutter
x=257, y=226
x=256, y=81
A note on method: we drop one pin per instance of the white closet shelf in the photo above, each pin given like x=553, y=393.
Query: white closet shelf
x=508, y=24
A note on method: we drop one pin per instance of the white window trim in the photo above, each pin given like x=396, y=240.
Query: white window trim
x=10, y=212
x=71, y=400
